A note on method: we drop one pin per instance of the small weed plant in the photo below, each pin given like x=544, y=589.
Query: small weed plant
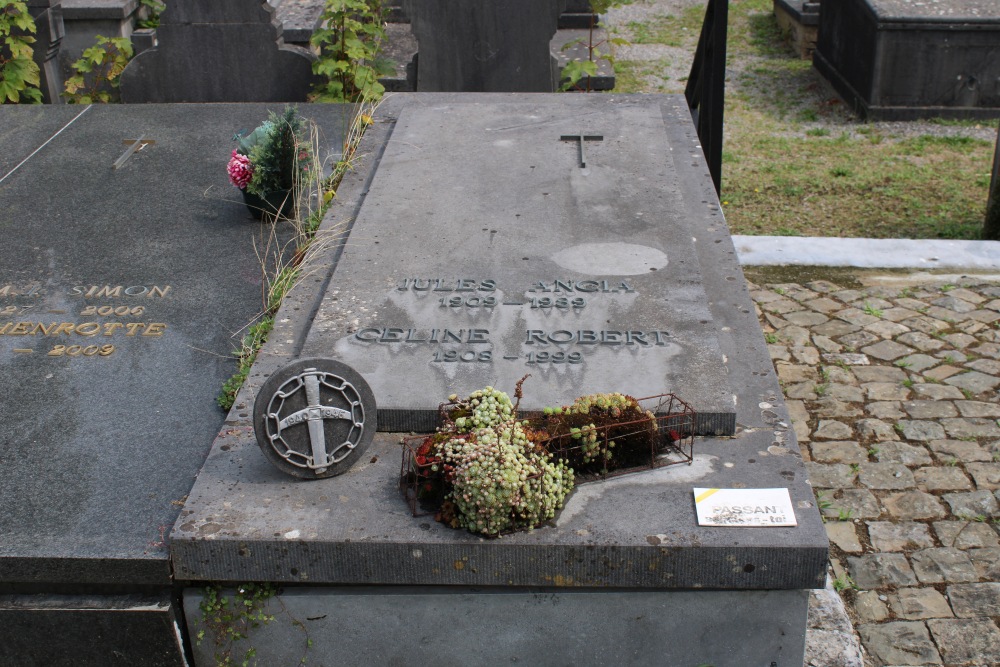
x=576, y=70
x=98, y=70
x=19, y=74
x=349, y=43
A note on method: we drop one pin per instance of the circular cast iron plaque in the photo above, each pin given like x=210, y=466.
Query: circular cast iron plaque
x=314, y=418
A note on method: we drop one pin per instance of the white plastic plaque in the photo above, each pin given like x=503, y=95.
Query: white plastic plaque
x=744, y=507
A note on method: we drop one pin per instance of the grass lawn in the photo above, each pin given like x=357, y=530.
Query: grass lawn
x=795, y=162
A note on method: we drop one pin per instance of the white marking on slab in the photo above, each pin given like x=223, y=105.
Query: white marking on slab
x=611, y=259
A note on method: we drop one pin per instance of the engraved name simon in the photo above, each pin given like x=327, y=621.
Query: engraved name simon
x=93, y=291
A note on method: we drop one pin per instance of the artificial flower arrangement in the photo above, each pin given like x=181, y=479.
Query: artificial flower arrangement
x=271, y=162
x=490, y=472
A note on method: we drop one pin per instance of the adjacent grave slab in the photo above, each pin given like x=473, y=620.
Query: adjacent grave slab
x=901, y=59
x=122, y=295
x=499, y=157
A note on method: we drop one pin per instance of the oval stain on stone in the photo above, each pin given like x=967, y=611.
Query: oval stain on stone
x=615, y=259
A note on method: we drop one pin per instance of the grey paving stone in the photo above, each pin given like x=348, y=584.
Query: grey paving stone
x=974, y=381
x=875, y=429
x=829, y=475
x=972, y=504
x=971, y=427
x=838, y=451
x=885, y=476
x=991, y=350
x=847, y=295
x=793, y=335
x=966, y=534
x=826, y=344
x=890, y=374
x=936, y=392
x=805, y=391
x=871, y=302
x=887, y=350
x=845, y=392
x=953, y=304
x=978, y=409
x=984, y=316
x=823, y=286
x=885, y=409
x=900, y=643
x=855, y=316
x=806, y=355
x=971, y=600
x=838, y=375
x=829, y=407
x=860, y=503
x=835, y=328
x=921, y=409
x=901, y=452
x=921, y=341
x=806, y=318
x=943, y=565
x=842, y=534
x=917, y=362
x=919, y=603
x=959, y=450
x=951, y=356
x=880, y=570
x=946, y=478
x=941, y=373
x=921, y=430
x=945, y=314
x=764, y=296
x=869, y=607
x=791, y=373
x=960, y=341
x=887, y=330
x=903, y=536
x=986, y=475
x=829, y=429
x=986, y=562
x=967, y=642
x=967, y=294
x=926, y=324
x=911, y=505
x=780, y=306
x=847, y=358
x=897, y=314
x=988, y=366
x=885, y=391
x=823, y=305
x=778, y=352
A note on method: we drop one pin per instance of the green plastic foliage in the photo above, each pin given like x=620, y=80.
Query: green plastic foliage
x=349, y=42
x=19, y=74
x=97, y=72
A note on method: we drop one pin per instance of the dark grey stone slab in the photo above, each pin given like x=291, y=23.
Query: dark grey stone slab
x=246, y=521
x=484, y=45
x=220, y=51
x=409, y=626
x=586, y=278
x=102, y=441
x=902, y=60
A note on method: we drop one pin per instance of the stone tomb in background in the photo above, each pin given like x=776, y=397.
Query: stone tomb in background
x=123, y=293
x=488, y=243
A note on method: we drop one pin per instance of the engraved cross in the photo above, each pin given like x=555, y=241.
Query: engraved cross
x=583, y=139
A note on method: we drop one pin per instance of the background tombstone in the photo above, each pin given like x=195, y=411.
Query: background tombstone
x=219, y=51
x=991, y=230
x=49, y=22
x=485, y=45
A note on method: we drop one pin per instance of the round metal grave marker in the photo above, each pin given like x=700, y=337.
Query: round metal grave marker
x=314, y=418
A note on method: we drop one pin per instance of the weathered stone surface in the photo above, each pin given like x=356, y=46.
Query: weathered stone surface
x=971, y=427
x=885, y=409
x=845, y=392
x=919, y=603
x=829, y=475
x=855, y=316
x=869, y=607
x=967, y=642
x=937, y=392
x=784, y=306
x=793, y=373
x=838, y=452
x=887, y=350
x=930, y=409
x=826, y=344
x=971, y=600
x=878, y=570
x=987, y=562
x=949, y=478
x=885, y=476
x=959, y=450
x=886, y=330
x=986, y=475
x=917, y=363
x=822, y=305
x=859, y=503
x=972, y=504
x=974, y=381
x=847, y=358
x=941, y=373
x=805, y=391
x=978, y=408
x=842, y=534
x=875, y=429
x=879, y=373
x=921, y=341
x=914, y=505
x=921, y=430
x=966, y=534
x=943, y=564
x=804, y=318
x=830, y=407
x=830, y=638
x=800, y=417
x=900, y=643
x=832, y=430
x=901, y=452
x=885, y=391
x=904, y=536
x=835, y=328
x=805, y=355
x=988, y=366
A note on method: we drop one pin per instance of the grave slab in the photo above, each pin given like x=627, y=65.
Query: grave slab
x=903, y=60
x=123, y=293
x=635, y=535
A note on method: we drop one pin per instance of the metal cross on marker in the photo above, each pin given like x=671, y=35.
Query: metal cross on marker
x=134, y=145
x=314, y=413
x=583, y=139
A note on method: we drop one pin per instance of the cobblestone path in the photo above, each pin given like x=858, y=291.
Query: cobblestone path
x=893, y=394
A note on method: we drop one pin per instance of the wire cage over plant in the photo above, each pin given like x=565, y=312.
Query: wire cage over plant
x=614, y=439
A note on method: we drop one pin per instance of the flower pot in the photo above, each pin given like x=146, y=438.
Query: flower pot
x=278, y=204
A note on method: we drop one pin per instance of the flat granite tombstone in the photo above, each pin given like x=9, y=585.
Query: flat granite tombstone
x=481, y=200
x=123, y=293
x=903, y=59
